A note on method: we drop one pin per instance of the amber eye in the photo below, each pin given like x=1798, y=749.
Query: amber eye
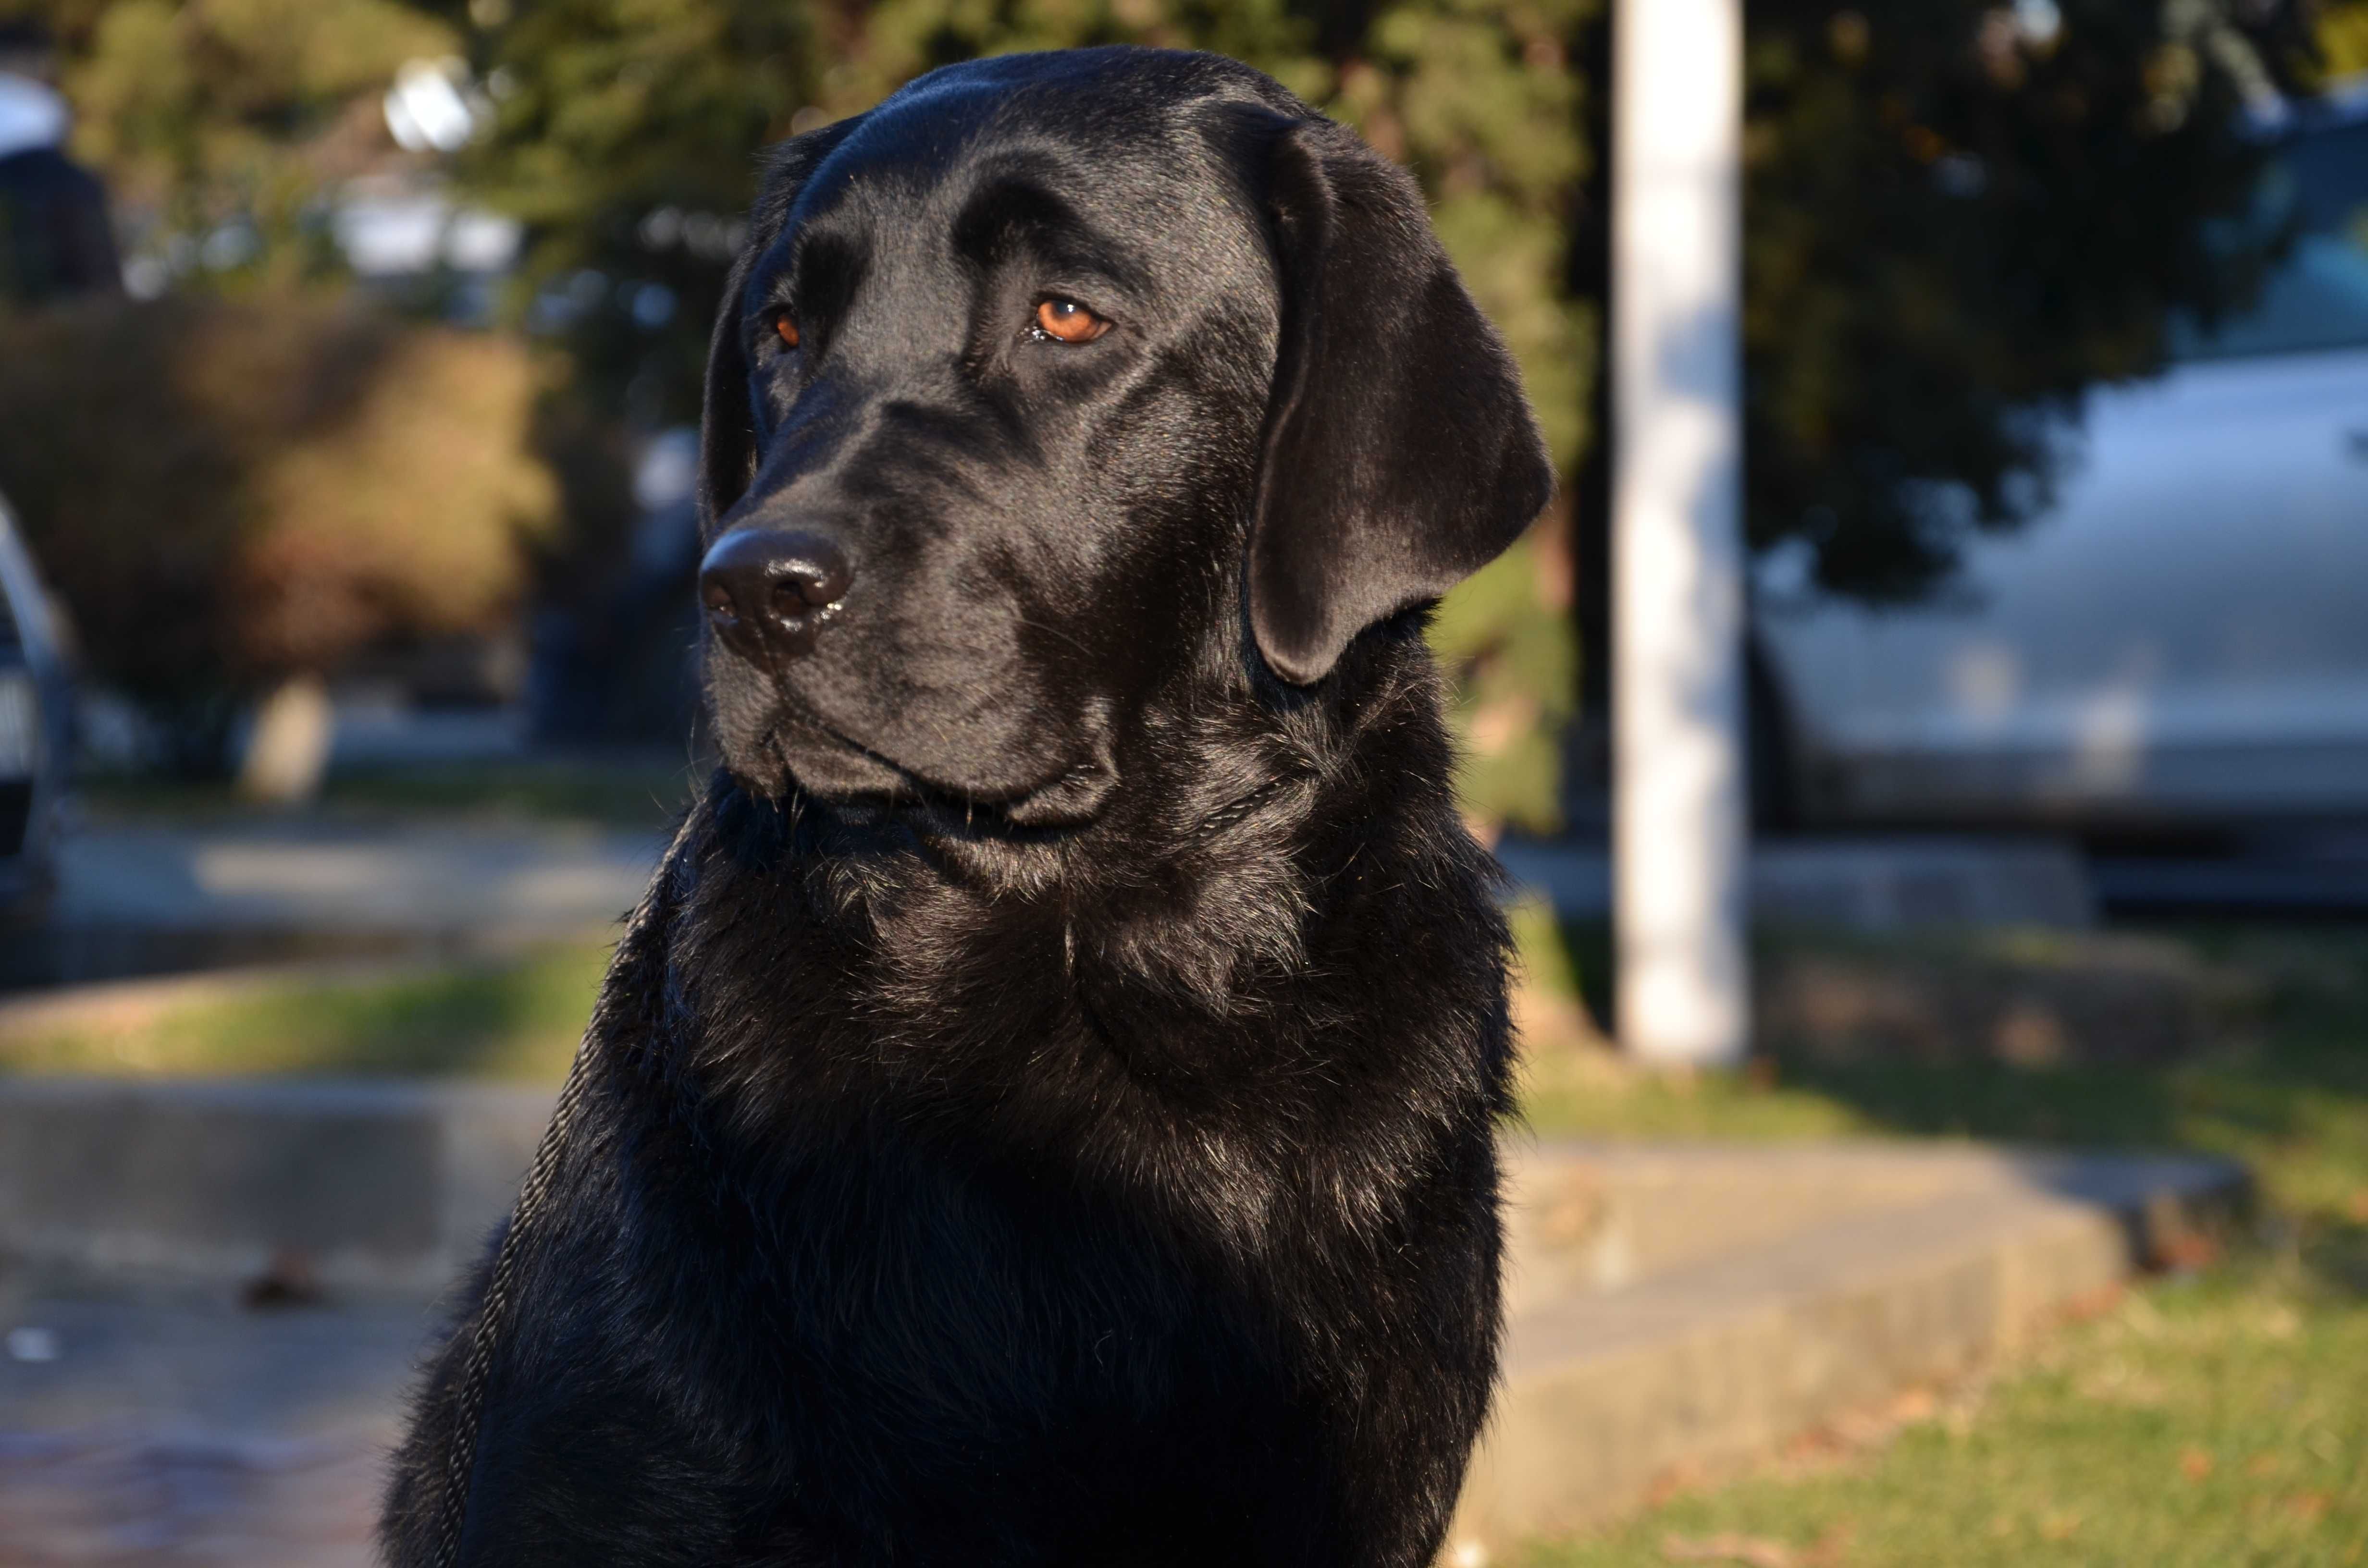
x=1069, y=321
x=787, y=327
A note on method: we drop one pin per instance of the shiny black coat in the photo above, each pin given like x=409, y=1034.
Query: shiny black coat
x=1045, y=1113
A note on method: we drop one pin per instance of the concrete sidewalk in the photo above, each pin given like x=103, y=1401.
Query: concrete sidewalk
x=138, y=900
x=154, y=1422
x=1674, y=1308
x=1870, y=883
x=1679, y=1311
x=429, y=877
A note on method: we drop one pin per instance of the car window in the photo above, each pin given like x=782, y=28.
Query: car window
x=2315, y=187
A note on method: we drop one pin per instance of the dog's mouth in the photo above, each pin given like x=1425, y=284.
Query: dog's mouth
x=861, y=781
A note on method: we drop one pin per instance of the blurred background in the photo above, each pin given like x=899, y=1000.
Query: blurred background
x=349, y=369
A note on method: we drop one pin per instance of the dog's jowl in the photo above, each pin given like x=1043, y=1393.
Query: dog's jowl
x=1044, y=1112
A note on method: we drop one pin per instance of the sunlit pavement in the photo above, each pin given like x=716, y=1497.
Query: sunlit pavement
x=143, y=899
x=161, y=1423
x=377, y=876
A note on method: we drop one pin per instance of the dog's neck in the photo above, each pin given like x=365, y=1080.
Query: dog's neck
x=1279, y=925
x=1194, y=885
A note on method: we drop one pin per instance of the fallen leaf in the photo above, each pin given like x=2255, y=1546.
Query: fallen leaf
x=2308, y=1507
x=2092, y=1304
x=1913, y=1405
x=290, y=1279
x=1832, y=1549
x=1680, y=1477
x=2194, y=1464
x=1751, y=1551
x=2357, y=1206
x=2186, y=1252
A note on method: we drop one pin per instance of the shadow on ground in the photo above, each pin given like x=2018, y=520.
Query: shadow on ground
x=2249, y=1042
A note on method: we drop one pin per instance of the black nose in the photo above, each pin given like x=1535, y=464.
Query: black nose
x=764, y=589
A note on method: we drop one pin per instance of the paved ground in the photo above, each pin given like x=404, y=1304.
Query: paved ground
x=368, y=876
x=1872, y=882
x=146, y=899
x=1670, y=1306
x=162, y=1424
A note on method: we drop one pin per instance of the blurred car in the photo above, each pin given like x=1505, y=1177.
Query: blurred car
x=2182, y=641
x=35, y=730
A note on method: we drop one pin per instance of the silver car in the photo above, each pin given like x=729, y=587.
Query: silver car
x=2182, y=641
x=35, y=730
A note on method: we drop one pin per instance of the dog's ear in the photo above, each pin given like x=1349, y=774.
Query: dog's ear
x=727, y=429
x=1400, y=453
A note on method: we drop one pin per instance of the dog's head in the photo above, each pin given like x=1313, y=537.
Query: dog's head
x=1054, y=375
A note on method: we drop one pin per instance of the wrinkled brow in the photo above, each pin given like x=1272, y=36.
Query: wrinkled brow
x=819, y=275
x=1022, y=213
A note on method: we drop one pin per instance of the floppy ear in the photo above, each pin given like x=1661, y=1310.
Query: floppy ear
x=727, y=428
x=1400, y=454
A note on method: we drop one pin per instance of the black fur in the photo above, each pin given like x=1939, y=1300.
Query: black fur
x=1046, y=1113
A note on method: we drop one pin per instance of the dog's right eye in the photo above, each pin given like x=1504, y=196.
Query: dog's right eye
x=1066, y=321
x=785, y=327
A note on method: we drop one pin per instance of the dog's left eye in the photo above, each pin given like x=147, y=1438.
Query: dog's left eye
x=1066, y=321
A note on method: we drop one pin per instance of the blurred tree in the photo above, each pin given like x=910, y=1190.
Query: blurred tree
x=2343, y=38
x=1959, y=215
x=227, y=493
x=264, y=472
x=225, y=126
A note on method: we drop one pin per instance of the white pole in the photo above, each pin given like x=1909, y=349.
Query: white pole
x=1680, y=831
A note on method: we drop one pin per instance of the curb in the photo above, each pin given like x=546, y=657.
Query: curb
x=1674, y=1310
x=1714, y=1361
x=378, y=1183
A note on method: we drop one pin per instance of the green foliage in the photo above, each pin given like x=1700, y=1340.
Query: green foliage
x=1957, y=226
x=231, y=120
x=225, y=492
x=2343, y=38
x=519, y=1019
x=1513, y=652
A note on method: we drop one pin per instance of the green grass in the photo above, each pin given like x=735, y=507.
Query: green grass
x=2216, y=1420
x=612, y=793
x=517, y=1019
x=2216, y=1423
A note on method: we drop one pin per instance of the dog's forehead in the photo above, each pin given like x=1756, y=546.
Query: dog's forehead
x=1113, y=129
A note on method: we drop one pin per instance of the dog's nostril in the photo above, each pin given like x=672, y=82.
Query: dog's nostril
x=762, y=587
x=811, y=581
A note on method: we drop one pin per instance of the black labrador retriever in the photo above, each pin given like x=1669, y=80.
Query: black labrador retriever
x=1043, y=1111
